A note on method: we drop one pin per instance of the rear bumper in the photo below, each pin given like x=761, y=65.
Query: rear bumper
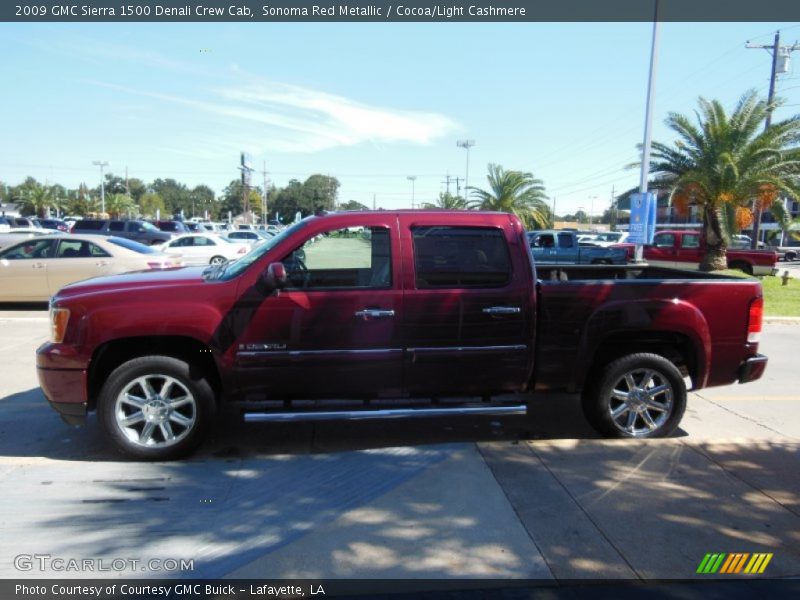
x=753, y=368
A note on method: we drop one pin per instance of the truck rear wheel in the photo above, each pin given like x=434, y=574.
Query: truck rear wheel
x=637, y=396
x=156, y=407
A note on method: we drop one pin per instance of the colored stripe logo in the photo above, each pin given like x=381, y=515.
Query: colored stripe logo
x=734, y=563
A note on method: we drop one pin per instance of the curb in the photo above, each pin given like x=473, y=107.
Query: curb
x=791, y=320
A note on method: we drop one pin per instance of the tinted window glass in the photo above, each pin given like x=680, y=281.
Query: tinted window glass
x=116, y=226
x=664, y=240
x=564, y=240
x=460, y=257
x=33, y=248
x=79, y=249
x=690, y=241
x=131, y=245
x=88, y=225
x=356, y=257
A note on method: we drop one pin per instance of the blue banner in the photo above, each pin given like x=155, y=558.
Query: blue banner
x=643, y=218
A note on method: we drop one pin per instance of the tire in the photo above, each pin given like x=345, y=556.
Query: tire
x=789, y=256
x=654, y=414
x=217, y=260
x=180, y=402
x=743, y=267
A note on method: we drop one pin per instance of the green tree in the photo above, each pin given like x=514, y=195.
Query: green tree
x=319, y=193
x=723, y=162
x=514, y=192
x=119, y=205
x=151, y=205
x=353, y=205
x=175, y=195
x=447, y=201
x=202, y=198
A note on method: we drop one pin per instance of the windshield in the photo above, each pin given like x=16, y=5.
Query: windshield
x=149, y=226
x=131, y=245
x=232, y=269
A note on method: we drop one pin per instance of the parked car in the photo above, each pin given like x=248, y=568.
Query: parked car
x=18, y=234
x=605, y=239
x=203, y=249
x=685, y=250
x=176, y=227
x=5, y=224
x=55, y=224
x=564, y=247
x=23, y=223
x=420, y=304
x=138, y=231
x=35, y=269
x=247, y=237
x=786, y=253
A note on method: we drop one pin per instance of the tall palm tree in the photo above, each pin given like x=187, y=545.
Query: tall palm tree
x=447, y=201
x=514, y=192
x=118, y=205
x=725, y=162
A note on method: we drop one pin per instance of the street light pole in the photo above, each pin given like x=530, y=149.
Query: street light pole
x=102, y=164
x=412, y=179
x=467, y=144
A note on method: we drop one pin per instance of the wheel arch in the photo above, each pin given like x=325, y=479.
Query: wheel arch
x=111, y=354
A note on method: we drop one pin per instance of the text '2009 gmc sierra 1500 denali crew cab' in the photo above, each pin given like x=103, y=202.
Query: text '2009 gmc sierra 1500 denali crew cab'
x=382, y=308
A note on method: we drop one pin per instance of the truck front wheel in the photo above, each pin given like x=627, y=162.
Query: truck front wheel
x=637, y=396
x=156, y=407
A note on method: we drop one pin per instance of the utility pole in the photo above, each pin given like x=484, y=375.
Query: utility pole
x=458, y=186
x=780, y=63
x=102, y=164
x=554, y=211
x=264, y=206
x=412, y=179
x=613, y=223
x=374, y=205
x=246, y=172
x=466, y=144
x=447, y=183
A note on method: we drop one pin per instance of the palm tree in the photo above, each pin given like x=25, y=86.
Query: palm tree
x=514, y=192
x=38, y=198
x=447, y=201
x=723, y=163
x=119, y=204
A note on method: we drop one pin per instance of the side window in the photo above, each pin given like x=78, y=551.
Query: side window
x=354, y=257
x=690, y=241
x=79, y=249
x=664, y=240
x=116, y=226
x=460, y=257
x=184, y=243
x=565, y=240
x=31, y=249
x=204, y=241
x=545, y=240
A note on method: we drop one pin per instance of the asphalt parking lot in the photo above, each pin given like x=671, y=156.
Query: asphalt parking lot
x=534, y=497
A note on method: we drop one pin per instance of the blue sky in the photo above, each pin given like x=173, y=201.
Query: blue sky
x=368, y=103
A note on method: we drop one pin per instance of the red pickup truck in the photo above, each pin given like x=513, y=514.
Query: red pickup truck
x=685, y=250
x=385, y=308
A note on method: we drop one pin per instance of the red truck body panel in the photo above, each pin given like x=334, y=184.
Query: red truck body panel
x=299, y=343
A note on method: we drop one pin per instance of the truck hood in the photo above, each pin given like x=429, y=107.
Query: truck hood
x=136, y=280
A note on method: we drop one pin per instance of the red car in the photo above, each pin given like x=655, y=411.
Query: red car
x=382, y=307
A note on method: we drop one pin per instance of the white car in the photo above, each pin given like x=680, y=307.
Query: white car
x=204, y=249
x=608, y=238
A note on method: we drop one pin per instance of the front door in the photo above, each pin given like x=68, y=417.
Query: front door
x=23, y=270
x=334, y=330
x=661, y=253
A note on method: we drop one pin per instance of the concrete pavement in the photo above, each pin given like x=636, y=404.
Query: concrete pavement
x=535, y=496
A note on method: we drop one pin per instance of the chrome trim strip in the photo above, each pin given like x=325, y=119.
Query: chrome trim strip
x=514, y=348
x=296, y=353
x=392, y=413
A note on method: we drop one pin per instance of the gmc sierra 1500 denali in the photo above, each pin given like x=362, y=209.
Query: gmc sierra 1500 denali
x=382, y=308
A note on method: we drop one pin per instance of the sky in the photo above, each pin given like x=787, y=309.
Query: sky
x=368, y=103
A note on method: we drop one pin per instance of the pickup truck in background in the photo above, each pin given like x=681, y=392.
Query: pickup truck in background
x=385, y=308
x=563, y=247
x=685, y=250
x=138, y=231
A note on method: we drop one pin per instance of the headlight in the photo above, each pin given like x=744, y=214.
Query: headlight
x=59, y=317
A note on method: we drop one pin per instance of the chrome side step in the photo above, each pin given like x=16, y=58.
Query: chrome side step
x=389, y=413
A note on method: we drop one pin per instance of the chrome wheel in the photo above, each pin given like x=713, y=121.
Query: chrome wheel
x=217, y=260
x=155, y=411
x=641, y=402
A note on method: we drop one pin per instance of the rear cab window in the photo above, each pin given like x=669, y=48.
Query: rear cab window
x=460, y=257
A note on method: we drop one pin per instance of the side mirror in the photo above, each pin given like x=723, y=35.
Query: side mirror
x=274, y=278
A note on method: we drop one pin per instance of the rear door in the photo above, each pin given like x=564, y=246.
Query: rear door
x=334, y=330
x=689, y=253
x=23, y=270
x=467, y=304
x=76, y=260
x=568, y=251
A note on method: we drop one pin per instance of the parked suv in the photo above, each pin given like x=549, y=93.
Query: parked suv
x=176, y=227
x=139, y=231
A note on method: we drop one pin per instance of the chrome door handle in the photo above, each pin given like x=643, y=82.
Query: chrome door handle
x=102, y=263
x=374, y=313
x=37, y=266
x=502, y=310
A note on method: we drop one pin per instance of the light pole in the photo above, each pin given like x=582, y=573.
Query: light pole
x=102, y=164
x=467, y=144
x=412, y=179
x=591, y=210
